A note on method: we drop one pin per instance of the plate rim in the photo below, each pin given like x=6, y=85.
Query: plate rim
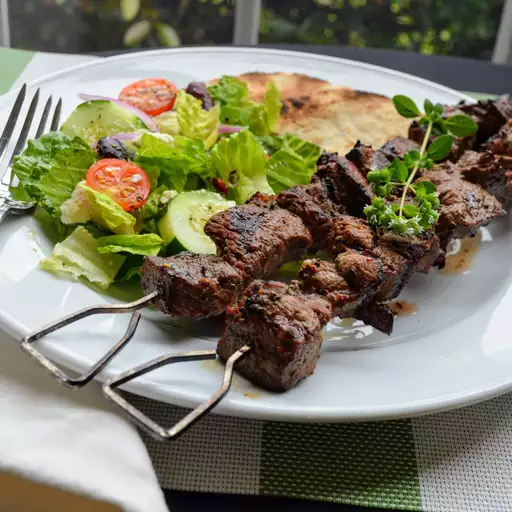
x=146, y=389
x=256, y=50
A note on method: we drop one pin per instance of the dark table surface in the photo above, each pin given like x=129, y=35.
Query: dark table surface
x=457, y=73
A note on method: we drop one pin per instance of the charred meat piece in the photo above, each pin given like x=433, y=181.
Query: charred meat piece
x=396, y=270
x=191, y=285
x=322, y=278
x=366, y=158
x=313, y=206
x=262, y=199
x=401, y=256
x=500, y=143
x=346, y=183
x=464, y=206
x=327, y=279
x=397, y=147
x=349, y=233
x=257, y=240
x=377, y=315
x=199, y=91
x=112, y=148
x=490, y=115
x=492, y=172
x=435, y=257
x=421, y=250
x=284, y=328
x=359, y=270
x=357, y=301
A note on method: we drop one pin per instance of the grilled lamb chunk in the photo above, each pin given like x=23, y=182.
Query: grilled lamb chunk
x=397, y=147
x=492, y=172
x=257, y=240
x=327, y=279
x=423, y=250
x=191, y=285
x=435, y=257
x=359, y=270
x=350, y=233
x=490, y=115
x=284, y=328
x=366, y=158
x=500, y=143
x=346, y=183
x=396, y=270
x=377, y=315
x=262, y=199
x=464, y=206
x=313, y=206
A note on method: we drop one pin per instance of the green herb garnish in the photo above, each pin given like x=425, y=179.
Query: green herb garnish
x=411, y=218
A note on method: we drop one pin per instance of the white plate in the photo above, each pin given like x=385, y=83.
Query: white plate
x=456, y=350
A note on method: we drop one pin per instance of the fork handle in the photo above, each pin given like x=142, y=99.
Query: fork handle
x=4, y=209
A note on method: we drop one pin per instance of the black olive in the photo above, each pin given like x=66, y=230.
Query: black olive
x=199, y=91
x=112, y=148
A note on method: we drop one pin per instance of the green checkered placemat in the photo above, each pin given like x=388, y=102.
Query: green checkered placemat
x=454, y=461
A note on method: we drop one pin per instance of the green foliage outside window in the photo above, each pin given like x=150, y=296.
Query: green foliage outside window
x=448, y=27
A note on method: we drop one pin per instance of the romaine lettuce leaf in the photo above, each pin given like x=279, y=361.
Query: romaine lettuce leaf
x=130, y=269
x=51, y=167
x=293, y=161
x=168, y=122
x=78, y=256
x=238, y=109
x=195, y=122
x=272, y=106
x=174, y=163
x=286, y=169
x=146, y=244
x=229, y=90
x=309, y=151
x=265, y=117
x=271, y=143
x=86, y=205
x=240, y=162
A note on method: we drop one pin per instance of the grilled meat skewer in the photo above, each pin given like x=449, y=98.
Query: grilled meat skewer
x=247, y=243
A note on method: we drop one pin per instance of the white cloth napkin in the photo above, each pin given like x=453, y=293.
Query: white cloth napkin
x=70, y=440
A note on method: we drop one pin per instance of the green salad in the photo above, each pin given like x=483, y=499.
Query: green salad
x=141, y=174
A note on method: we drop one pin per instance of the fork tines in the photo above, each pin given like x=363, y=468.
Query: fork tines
x=8, y=131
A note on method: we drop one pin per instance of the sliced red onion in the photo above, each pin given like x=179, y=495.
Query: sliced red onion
x=145, y=118
x=229, y=129
x=127, y=136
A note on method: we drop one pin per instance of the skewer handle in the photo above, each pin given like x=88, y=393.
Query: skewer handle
x=84, y=379
x=155, y=430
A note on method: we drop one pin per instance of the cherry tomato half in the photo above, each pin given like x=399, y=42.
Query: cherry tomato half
x=127, y=184
x=151, y=95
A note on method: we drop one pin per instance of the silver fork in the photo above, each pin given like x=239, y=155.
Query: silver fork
x=9, y=205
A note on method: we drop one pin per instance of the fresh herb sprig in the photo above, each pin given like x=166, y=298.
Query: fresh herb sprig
x=411, y=218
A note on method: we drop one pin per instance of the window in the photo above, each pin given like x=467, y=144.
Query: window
x=82, y=26
x=479, y=29
x=466, y=28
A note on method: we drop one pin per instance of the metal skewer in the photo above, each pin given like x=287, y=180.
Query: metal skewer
x=154, y=429
x=111, y=386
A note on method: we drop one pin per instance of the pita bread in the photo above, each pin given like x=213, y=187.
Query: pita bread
x=334, y=117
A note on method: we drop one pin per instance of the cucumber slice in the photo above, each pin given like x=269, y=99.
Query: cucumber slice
x=98, y=118
x=186, y=217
